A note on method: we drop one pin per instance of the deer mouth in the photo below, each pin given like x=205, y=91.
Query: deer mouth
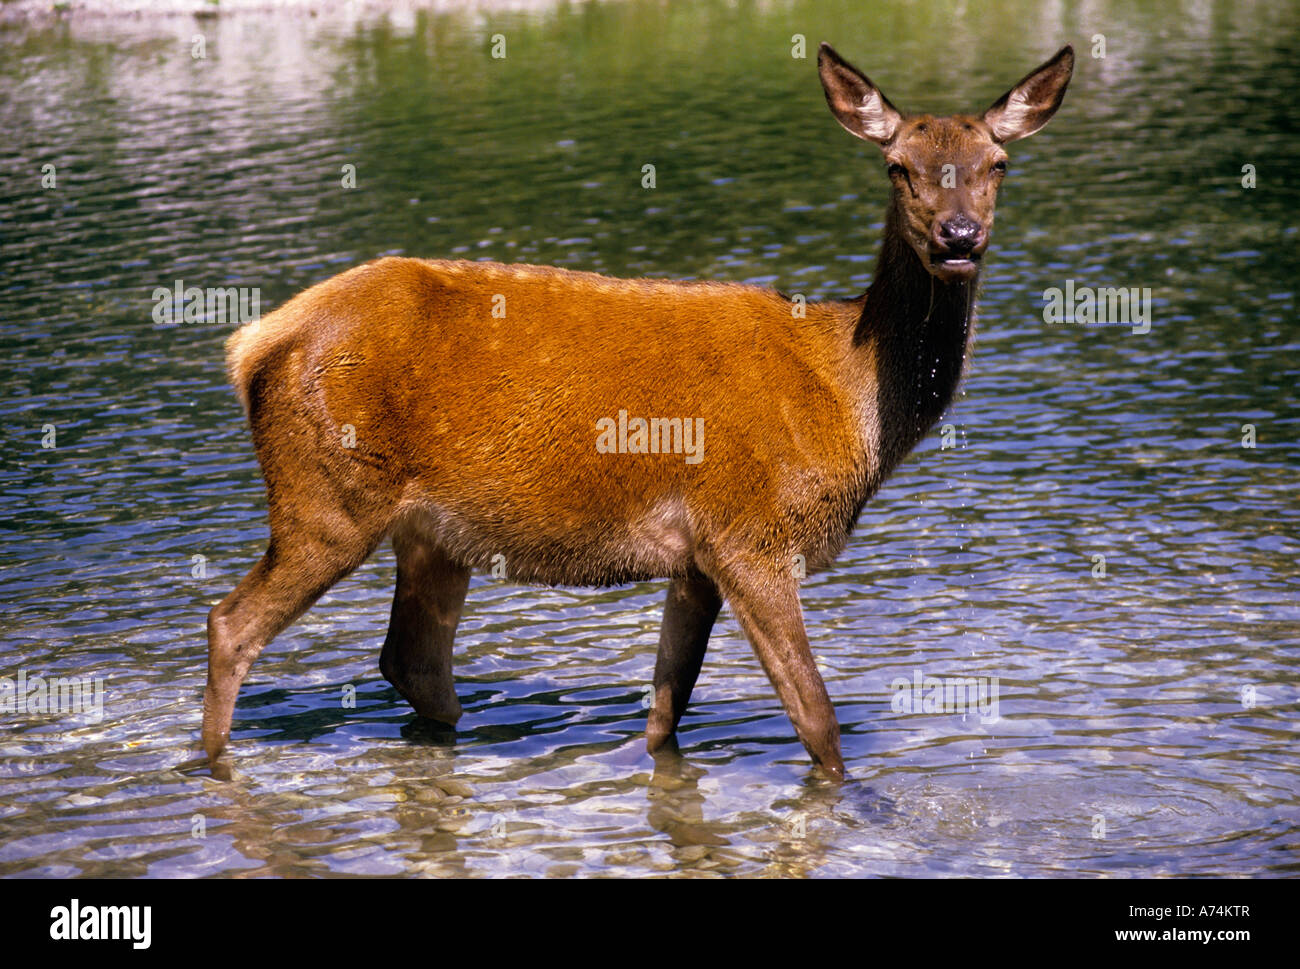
x=953, y=265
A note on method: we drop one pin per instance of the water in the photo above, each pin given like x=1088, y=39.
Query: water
x=1147, y=718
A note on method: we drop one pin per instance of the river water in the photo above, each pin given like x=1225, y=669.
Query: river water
x=1093, y=529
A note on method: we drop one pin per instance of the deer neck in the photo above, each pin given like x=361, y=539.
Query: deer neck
x=917, y=330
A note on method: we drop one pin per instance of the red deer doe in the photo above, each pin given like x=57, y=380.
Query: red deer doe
x=469, y=411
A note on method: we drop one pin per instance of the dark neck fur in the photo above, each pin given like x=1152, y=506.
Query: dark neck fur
x=921, y=329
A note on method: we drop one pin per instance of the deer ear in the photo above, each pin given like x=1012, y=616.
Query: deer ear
x=857, y=104
x=1031, y=103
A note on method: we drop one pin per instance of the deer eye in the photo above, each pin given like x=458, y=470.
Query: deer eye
x=1000, y=166
x=896, y=169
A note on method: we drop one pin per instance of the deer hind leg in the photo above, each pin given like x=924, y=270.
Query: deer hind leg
x=427, y=603
x=295, y=571
x=692, y=607
x=768, y=609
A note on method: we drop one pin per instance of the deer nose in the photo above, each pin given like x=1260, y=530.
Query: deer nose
x=960, y=234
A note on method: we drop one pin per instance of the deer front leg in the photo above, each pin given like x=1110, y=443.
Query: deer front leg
x=767, y=607
x=692, y=606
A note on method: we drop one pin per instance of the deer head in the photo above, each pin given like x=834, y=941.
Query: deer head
x=945, y=171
